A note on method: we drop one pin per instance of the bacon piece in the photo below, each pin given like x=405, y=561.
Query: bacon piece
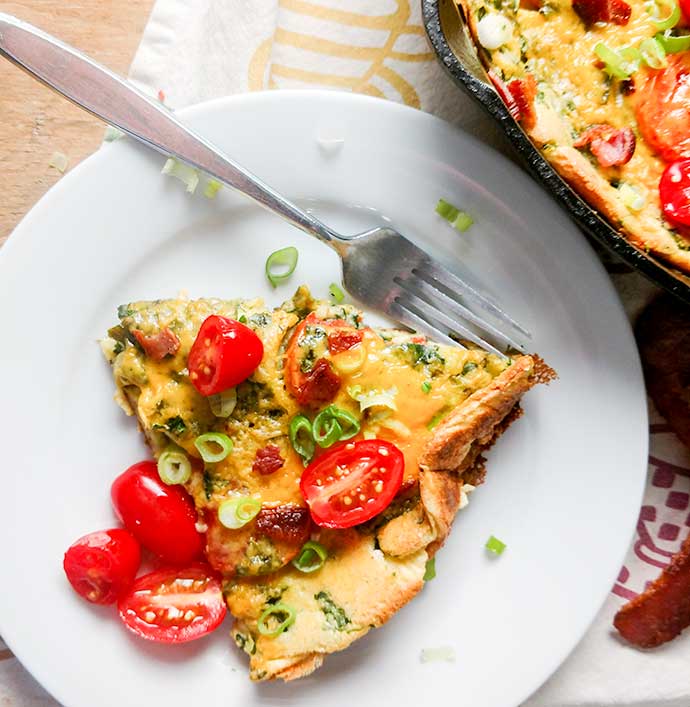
x=340, y=340
x=524, y=91
x=609, y=145
x=268, y=460
x=320, y=385
x=591, y=11
x=662, y=611
x=158, y=346
x=287, y=523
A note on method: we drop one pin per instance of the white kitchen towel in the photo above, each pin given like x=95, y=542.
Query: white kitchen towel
x=193, y=50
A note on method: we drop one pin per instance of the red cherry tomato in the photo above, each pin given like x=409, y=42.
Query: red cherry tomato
x=685, y=9
x=102, y=565
x=674, y=192
x=174, y=605
x=663, y=108
x=162, y=518
x=224, y=353
x=352, y=482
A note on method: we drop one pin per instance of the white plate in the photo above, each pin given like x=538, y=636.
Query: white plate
x=564, y=483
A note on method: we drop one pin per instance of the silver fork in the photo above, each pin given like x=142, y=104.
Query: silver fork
x=381, y=268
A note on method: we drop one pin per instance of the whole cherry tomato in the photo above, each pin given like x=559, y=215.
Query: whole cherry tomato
x=174, y=605
x=102, y=565
x=161, y=517
x=224, y=353
x=352, y=482
x=674, y=192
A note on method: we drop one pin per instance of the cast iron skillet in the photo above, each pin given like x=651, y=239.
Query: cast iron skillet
x=456, y=52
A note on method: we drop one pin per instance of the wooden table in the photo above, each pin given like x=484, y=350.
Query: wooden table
x=35, y=122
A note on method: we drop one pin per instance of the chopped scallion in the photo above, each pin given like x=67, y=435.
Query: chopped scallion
x=333, y=424
x=174, y=467
x=653, y=53
x=186, y=174
x=237, y=512
x=430, y=569
x=446, y=210
x=311, y=557
x=495, y=545
x=621, y=64
x=302, y=437
x=213, y=446
x=673, y=44
x=462, y=221
x=281, y=264
x=281, y=617
x=672, y=20
x=212, y=188
x=223, y=404
x=426, y=387
x=337, y=295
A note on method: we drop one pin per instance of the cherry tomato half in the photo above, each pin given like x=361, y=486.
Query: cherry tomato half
x=674, y=192
x=102, y=565
x=224, y=353
x=162, y=518
x=352, y=482
x=663, y=108
x=174, y=605
x=685, y=9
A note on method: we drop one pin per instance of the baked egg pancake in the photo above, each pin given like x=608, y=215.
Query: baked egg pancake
x=326, y=479
x=602, y=87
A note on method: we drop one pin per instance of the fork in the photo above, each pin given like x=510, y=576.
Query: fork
x=380, y=268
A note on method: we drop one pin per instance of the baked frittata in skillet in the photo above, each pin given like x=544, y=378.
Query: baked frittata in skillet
x=602, y=87
x=297, y=588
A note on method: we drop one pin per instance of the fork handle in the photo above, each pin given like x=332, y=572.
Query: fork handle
x=118, y=102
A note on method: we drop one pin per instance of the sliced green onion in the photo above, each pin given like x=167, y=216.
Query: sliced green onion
x=672, y=20
x=462, y=221
x=673, y=44
x=334, y=424
x=212, y=188
x=237, y=512
x=281, y=264
x=213, y=446
x=430, y=569
x=242, y=319
x=621, y=64
x=337, y=295
x=426, y=387
x=446, y=210
x=437, y=418
x=59, y=161
x=223, y=404
x=282, y=613
x=186, y=174
x=174, y=467
x=653, y=53
x=373, y=398
x=495, y=545
x=302, y=437
x=311, y=557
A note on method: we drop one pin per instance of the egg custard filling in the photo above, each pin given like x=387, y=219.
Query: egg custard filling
x=326, y=480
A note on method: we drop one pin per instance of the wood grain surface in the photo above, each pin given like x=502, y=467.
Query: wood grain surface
x=35, y=122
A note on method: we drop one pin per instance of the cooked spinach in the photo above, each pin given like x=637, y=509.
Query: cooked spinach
x=468, y=367
x=335, y=615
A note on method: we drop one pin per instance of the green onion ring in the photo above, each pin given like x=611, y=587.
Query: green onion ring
x=462, y=221
x=281, y=264
x=237, y=512
x=207, y=443
x=328, y=427
x=621, y=65
x=672, y=20
x=495, y=545
x=276, y=611
x=673, y=44
x=430, y=569
x=174, y=467
x=311, y=557
x=222, y=404
x=653, y=53
x=336, y=293
x=301, y=437
x=446, y=210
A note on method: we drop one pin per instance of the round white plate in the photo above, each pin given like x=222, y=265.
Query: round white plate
x=564, y=482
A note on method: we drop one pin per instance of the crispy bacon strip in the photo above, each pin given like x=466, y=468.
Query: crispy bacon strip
x=158, y=346
x=340, y=340
x=320, y=385
x=287, y=523
x=609, y=145
x=591, y=11
x=662, y=611
x=268, y=460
